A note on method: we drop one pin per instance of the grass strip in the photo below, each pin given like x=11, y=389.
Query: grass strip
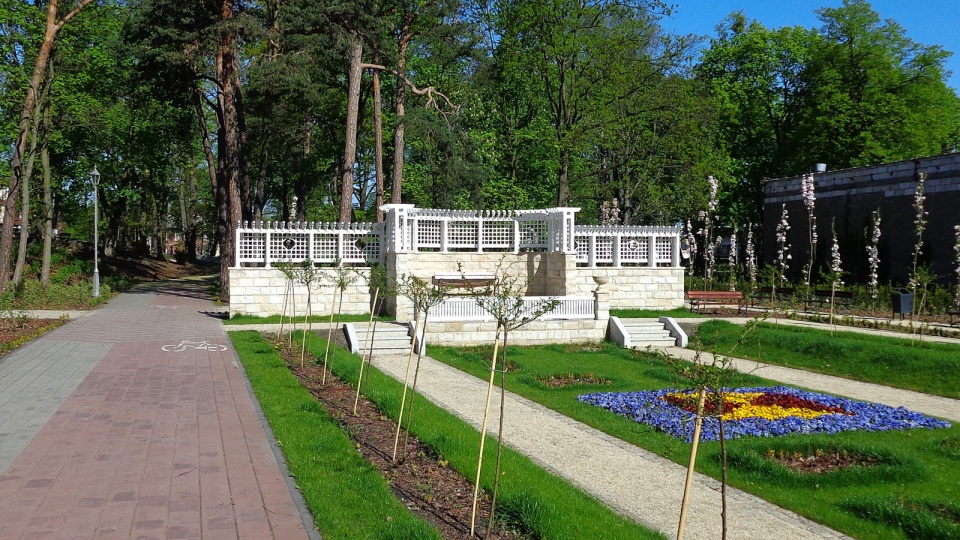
x=534, y=501
x=275, y=319
x=922, y=366
x=621, y=370
x=677, y=313
x=346, y=495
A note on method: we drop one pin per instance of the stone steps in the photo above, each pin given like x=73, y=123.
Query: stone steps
x=391, y=338
x=642, y=333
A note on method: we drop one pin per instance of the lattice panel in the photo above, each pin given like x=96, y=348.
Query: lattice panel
x=251, y=246
x=497, y=233
x=582, y=243
x=462, y=233
x=604, y=249
x=361, y=247
x=325, y=247
x=428, y=233
x=534, y=234
x=289, y=246
x=633, y=249
x=664, y=249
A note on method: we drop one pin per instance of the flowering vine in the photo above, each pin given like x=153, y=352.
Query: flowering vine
x=751, y=260
x=783, y=247
x=807, y=190
x=709, y=247
x=919, y=225
x=692, y=244
x=836, y=267
x=873, y=256
x=610, y=212
x=956, y=249
x=732, y=259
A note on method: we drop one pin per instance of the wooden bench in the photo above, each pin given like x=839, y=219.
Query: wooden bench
x=464, y=281
x=698, y=299
x=780, y=294
x=954, y=316
x=841, y=299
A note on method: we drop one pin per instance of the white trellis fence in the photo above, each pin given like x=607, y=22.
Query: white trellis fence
x=261, y=244
x=618, y=245
x=408, y=229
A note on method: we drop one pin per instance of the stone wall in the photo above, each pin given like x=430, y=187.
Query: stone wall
x=261, y=292
x=638, y=287
x=850, y=196
x=536, y=274
x=536, y=333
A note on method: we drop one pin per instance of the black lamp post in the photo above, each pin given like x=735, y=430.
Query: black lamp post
x=95, y=175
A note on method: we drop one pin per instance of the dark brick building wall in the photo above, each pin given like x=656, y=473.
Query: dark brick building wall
x=850, y=196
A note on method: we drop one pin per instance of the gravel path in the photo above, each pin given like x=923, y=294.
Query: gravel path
x=633, y=481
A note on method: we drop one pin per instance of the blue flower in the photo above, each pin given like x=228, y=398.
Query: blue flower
x=649, y=407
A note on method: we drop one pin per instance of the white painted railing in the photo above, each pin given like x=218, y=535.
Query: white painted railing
x=262, y=244
x=409, y=229
x=466, y=308
x=620, y=245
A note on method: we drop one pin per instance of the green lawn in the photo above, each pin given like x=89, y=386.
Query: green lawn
x=677, y=313
x=532, y=499
x=931, y=368
x=925, y=469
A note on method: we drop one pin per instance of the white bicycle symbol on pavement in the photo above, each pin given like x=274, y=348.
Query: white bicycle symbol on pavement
x=196, y=345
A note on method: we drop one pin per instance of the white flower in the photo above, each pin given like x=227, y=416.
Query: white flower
x=712, y=203
x=873, y=255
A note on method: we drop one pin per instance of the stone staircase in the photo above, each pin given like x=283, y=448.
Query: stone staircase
x=392, y=338
x=643, y=333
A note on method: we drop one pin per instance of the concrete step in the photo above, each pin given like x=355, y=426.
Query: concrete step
x=391, y=338
x=647, y=333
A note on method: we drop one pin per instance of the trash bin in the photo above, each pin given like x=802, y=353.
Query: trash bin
x=902, y=300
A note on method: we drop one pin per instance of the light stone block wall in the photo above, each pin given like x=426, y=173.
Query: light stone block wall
x=536, y=274
x=261, y=292
x=637, y=287
x=536, y=333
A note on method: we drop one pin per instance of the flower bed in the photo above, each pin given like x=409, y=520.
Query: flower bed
x=759, y=412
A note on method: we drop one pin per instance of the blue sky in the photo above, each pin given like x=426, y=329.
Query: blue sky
x=930, y=22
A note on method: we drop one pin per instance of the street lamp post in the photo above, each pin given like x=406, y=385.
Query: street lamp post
x=95, y=175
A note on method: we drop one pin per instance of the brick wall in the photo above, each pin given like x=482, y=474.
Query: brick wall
x=850, y=196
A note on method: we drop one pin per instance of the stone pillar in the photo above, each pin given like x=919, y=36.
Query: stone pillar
x=601, y=299
x=601, y=305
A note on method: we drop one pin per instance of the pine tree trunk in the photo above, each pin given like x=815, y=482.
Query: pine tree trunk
x=378, y=141
x=350, y=141
x=398, y=131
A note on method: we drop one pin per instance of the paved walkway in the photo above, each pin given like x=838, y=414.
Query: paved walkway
x=633, y=481
x=104, y=434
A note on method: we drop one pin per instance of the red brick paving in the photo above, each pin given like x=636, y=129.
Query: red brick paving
x=152, y=444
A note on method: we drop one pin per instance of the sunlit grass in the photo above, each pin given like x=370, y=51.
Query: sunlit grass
x=920, y=449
